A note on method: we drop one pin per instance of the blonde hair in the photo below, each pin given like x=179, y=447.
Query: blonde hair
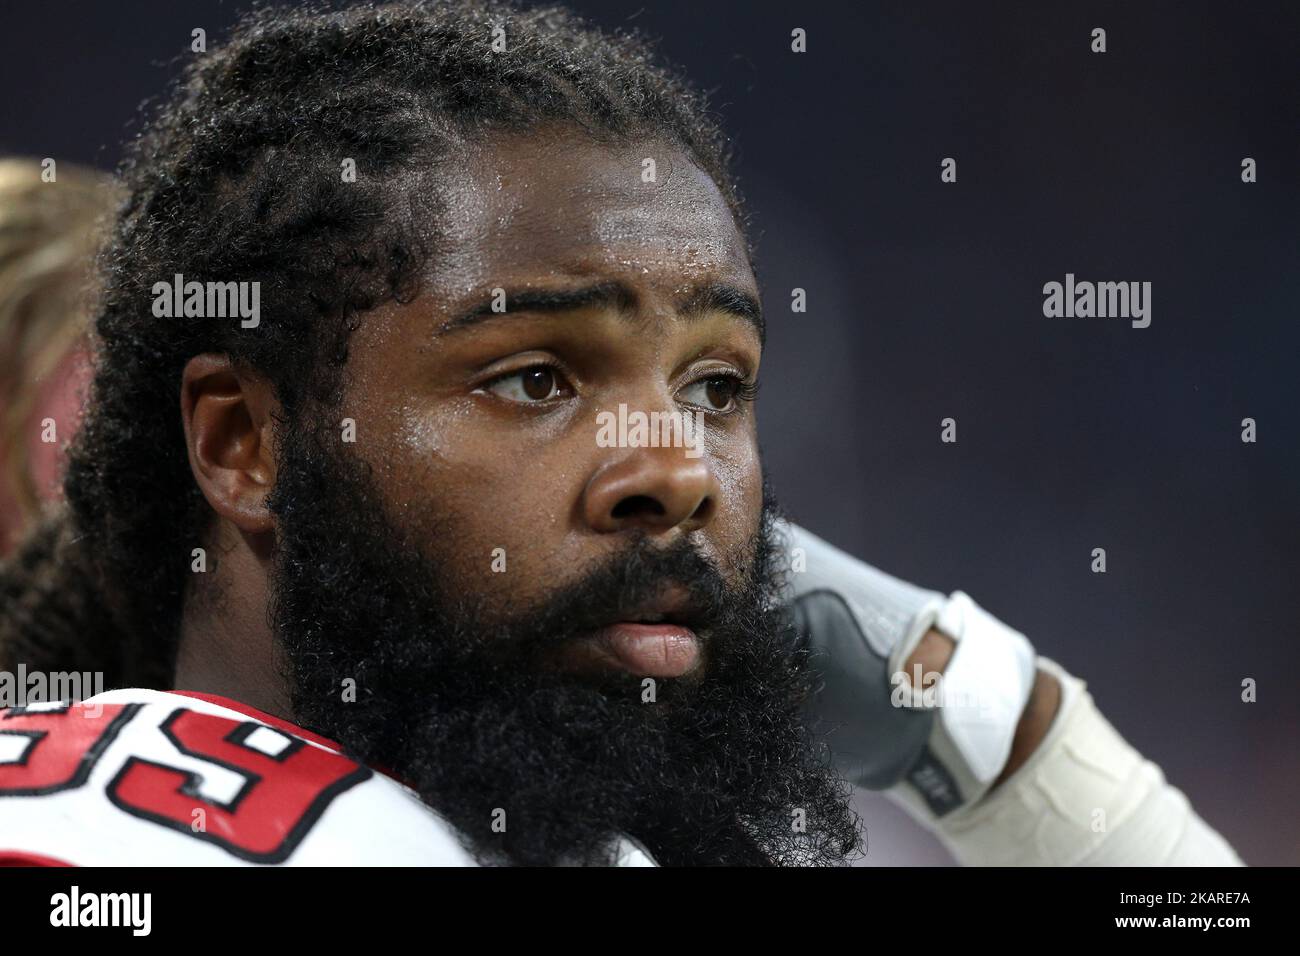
x=49, y=235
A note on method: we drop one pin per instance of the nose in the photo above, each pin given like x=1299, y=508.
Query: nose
x=655, y=490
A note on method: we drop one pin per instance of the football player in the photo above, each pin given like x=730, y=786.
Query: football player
x=369, y=587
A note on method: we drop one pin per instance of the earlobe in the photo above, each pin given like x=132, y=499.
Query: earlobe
x=227, y=415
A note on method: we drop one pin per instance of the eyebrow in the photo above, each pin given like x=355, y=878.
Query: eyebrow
x=618, y=296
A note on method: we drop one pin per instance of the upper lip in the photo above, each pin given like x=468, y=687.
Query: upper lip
x=672, y=605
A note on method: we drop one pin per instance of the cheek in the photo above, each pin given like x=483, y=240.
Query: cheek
x=495, y=512
x=732, y=454
x=739, y=472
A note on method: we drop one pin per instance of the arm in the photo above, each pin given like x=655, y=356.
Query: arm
x=932, y=656
x=1006, y=759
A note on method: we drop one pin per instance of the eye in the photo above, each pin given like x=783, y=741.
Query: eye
x=529, y=386
x=719, y=392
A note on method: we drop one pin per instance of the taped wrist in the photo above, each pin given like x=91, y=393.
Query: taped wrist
x=981, y=696
x=936, y=752
x=1084, y=797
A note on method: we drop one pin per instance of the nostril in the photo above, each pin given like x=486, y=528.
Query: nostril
x=637, y=505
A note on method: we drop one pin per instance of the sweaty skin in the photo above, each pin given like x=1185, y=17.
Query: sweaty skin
x=482, y=432
x=482, y=436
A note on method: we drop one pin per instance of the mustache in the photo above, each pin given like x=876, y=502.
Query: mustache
x=642, y=580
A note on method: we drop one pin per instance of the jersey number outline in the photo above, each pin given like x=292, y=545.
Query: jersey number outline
x=39, y=770
x=284, y=789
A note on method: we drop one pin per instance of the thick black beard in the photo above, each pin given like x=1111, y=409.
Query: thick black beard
x=451, y=697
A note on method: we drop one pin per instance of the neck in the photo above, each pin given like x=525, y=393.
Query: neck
x=227, y=646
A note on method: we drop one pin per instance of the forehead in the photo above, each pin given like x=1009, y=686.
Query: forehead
x=525, y=207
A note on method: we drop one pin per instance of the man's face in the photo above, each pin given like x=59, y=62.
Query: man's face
x=586, y=638
x=483, y=431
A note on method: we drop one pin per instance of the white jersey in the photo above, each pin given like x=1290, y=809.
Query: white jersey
x=155, y=778
x=158, y=778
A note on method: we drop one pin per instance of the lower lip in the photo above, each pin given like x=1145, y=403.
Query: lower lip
x=651, y=650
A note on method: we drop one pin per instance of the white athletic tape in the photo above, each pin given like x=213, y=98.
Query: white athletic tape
x=1084, y=797
x=986, y=686
x=981, y=696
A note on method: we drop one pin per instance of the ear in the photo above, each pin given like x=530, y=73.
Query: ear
x=228, y=417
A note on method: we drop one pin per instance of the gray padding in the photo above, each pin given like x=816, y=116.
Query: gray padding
x=873, y=743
